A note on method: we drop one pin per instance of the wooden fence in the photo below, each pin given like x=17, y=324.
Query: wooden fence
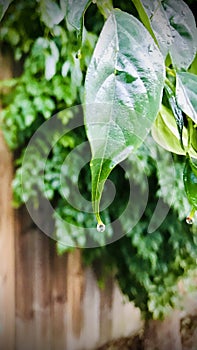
x=52, y=302
x=49, y=302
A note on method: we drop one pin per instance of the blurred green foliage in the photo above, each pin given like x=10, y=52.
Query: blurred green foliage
x=146, y=265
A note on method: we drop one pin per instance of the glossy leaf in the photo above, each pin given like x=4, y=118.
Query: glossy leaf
x=168, y=138
x=4, y=4
x=193, y=68
x=190, y=181
x=145, y=16
x=174, y=27
x=74, y=11
x=194, y=139
x=165, y=133
x=177, y=112
x=186, y=93
x=123, y=91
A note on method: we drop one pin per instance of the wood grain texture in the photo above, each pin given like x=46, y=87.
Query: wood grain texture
x=7, y=265
x=46, y=301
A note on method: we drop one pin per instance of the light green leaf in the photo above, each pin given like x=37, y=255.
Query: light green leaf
x=4, y=4
x=174, y=27
x=105, y=7
x=193, y=68
x=194, y=139
x=74, y=11
x=123, y=91
x=51, y=14
x=166, y=134
x=186, y=94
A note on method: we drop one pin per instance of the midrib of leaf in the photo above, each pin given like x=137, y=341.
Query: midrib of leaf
x=145, y=21
x=97, y=208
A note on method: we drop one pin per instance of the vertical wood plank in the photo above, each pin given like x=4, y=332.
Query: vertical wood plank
x=42, y=291
x=25, y=266
x=106, y=297
x=33, y=286
x=75, y=294
x=163, y=335
x=126, y=318
x=7, y=265
x=59, y=301
x=90, y=333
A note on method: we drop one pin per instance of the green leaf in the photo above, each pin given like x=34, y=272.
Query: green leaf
x=75, y=11
x=193, y=68
x=4, y=4
x=144, y=17
x=51, y=14
x=190, y=181
x=174, y=27
x=194, y=139
x=123, y=91
x=105, y=7
x=177, y=112
x=165, y=133
x=186, y=93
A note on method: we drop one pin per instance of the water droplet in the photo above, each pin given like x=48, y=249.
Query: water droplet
x=150, y=48
x=95, y=64
x=78, y=55
x=189, y=220
x=190, y=217
x=100, y=227
x=112, y=165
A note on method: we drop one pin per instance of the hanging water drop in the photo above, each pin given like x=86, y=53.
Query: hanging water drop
x=150, y=48
x=78, y=55
x=100, y=227
x=189, y=220
x=190, y=217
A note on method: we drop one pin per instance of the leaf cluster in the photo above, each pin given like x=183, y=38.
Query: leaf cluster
x=62, y=63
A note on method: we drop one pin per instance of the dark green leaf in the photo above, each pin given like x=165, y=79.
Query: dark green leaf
x=4, y=4
x=174, y=27
x=123, y=92
x=186, y=94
